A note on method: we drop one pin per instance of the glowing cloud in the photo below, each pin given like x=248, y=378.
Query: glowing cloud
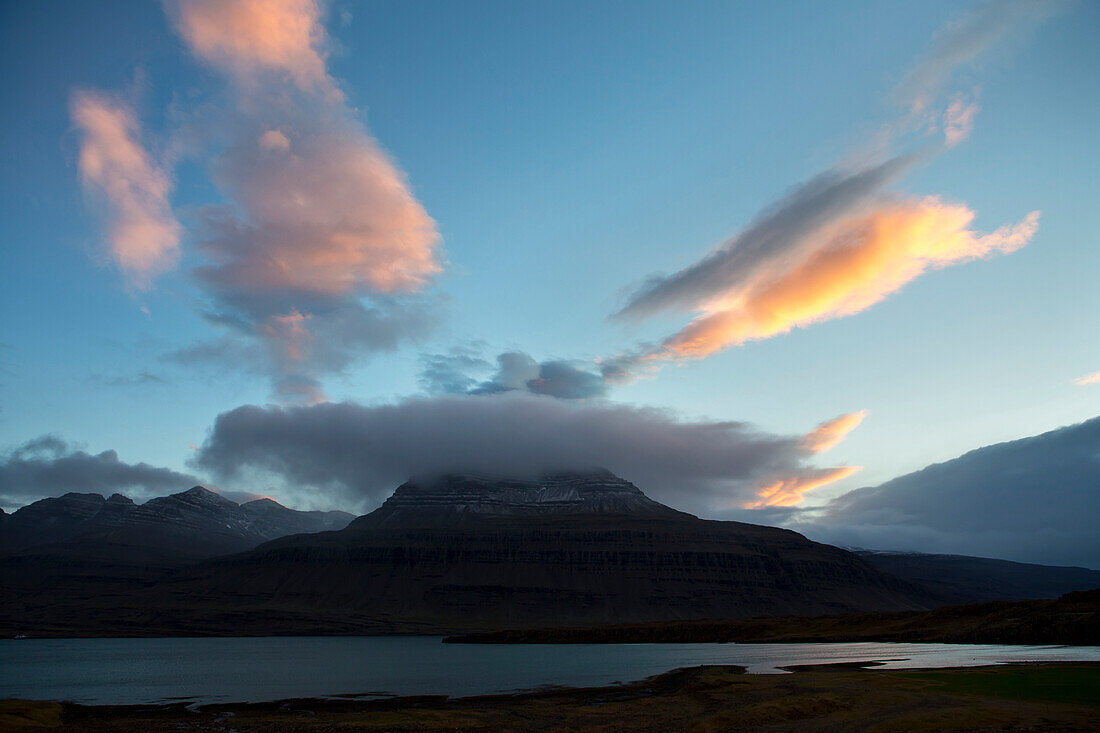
x=828, y=434
x=246, y=38
x=144, y=235
x=1093, y=378
x=862, y=261
x=791, y=490
x=312, y=260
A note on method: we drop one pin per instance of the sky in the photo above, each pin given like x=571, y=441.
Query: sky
x=751, y=257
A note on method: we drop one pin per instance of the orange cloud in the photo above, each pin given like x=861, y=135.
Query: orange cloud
x=861, y=261
x=144, y=235
x=790, y=490
x=828, y=434
x=1093, y=378
x=248, y=37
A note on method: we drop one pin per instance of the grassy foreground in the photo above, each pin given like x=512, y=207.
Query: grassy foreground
x=841, y=698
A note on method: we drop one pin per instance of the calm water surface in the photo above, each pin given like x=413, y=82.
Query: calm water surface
x=124, y=671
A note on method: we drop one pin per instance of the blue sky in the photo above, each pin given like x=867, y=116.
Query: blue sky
x=566, y=152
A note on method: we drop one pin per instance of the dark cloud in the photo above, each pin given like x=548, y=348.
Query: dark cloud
x=1033, y=500
x=358, y=454
x=775, y=235
x=296, y=349
x=452, y=373
x=462, y=371
x=49, y=466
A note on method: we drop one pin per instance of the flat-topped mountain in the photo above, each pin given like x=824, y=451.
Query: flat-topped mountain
x=450, y=499
x=190, y=525
x=472, y=552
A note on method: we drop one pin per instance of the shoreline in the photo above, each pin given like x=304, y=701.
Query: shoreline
x=810, y=697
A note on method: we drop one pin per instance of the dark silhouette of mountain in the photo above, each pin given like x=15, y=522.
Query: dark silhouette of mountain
x=449, y=554
x=474, y=552
x=183, y=527
x=960, y=579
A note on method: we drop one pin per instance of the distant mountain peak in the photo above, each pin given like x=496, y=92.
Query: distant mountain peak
x=472, y=495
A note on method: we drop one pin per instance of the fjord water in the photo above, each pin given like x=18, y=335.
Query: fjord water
x=206, y=670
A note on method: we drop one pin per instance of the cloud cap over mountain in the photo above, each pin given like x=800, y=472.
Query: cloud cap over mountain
x=361, y=453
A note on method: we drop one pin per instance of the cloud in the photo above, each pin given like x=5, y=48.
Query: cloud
x=865, y=260
x=852, y=265
x=790, y=490
x=340, y=330
x=1093, y=378
x=50, y=466
x=143, y=233
x=839, y=242
x=958, y=121
x=358, y=454
x=451, y=373
x=963, y=41
x=140, y=379
x=1030, y=500
x=829, y=434
x=314, y=258
x=251, y=39
x=454, y=373
x=777, y=234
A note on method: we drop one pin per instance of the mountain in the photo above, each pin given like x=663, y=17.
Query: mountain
x=960, y=579
x=64, y=559
x=187, y=526
x=474, y=552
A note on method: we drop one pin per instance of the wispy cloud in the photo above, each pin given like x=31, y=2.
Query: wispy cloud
x=841, y=242
x=958, y=120
x=1093, y=378
x=862, y=261
x=963, y=41
x=143, y=233
x=791, y=490
x=829, y=434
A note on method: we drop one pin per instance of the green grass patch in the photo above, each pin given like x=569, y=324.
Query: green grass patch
x=1073, y=684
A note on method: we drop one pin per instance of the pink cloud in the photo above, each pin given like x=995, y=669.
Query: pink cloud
x=143, y=233
x=247, y=38
x=320, y=246
x=958, y=121
x=1093, y=378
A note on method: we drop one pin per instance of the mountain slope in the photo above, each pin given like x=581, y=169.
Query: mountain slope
x=187, y=526
x=961, y=579
x=465, y=552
